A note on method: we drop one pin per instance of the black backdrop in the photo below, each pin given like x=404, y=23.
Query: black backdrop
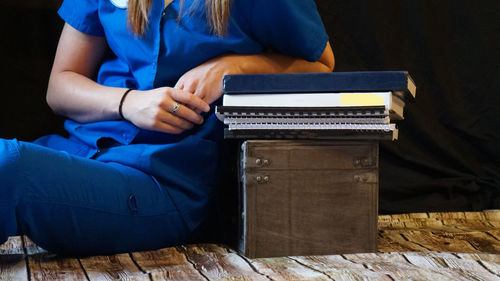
x=447, y=155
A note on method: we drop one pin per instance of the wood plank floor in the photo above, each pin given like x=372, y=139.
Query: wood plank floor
x=421, y=246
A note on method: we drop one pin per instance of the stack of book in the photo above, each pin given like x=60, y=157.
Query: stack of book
x=337, y=105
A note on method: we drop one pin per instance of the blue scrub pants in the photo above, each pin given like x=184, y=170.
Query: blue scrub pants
x=69, y=204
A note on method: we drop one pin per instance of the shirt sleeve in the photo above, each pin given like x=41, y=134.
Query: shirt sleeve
x=82, y=15
x=292, y=27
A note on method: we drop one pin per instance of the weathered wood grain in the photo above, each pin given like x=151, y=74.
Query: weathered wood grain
x=468, y=224
x=12, y=260
x=216, y=263
x=438, y=241
x=494, y=233
x=434, y=246
x=47, y=266
x=399, y=216
x=391, y=224
x=458, y=232
x=490, y=262
x=167, y=264
x=13, y=270
x=384, y=218
x=13, y=246
x=435, y=224
x=481, y=241
x=337, y=267
x=480, y=257
x=286, y=269
x=447, y=215
x=451, y=264
x=427, y=224
x=112, y=268
x=475, y=216
x=390, y=241
x=283, y=268
x=466, y=264
x=419, y=215
x=424, y=266
x=32, y=248
x=398, y=267
x=492, y=215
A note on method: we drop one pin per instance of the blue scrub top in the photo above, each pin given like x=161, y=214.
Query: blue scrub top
x=186, y=163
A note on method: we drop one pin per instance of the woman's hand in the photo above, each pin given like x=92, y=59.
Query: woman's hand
x=205, y=80
x=153, y=110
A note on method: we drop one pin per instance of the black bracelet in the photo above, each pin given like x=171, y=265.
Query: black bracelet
x=121, y=102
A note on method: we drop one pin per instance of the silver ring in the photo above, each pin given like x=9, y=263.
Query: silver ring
x=175, y=108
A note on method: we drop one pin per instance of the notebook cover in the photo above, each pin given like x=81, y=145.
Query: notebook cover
x=361, y=81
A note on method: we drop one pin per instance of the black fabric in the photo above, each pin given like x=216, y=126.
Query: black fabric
x=30, y=31
x=447, y=156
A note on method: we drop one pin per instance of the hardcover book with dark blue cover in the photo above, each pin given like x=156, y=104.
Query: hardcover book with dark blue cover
x=361, y=81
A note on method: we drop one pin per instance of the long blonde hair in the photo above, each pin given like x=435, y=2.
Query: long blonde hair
x=217, y=15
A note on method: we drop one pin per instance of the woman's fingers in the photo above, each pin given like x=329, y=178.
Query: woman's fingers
x=190, y=100
x=164, y=109
x=183, y=112
x=174, y=120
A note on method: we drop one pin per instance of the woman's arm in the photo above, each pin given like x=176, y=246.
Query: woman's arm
x=72, y=92
x=205, y=80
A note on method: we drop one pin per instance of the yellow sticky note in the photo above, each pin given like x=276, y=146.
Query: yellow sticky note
x=361, y=99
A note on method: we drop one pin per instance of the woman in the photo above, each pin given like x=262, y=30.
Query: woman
x=137, y=82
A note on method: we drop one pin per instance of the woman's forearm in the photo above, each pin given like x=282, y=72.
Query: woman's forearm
x=278, y=63
x=79, y=98
x=83, y=100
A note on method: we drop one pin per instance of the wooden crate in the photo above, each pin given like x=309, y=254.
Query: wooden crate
x=302, y=197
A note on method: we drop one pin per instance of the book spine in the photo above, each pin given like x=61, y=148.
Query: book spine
x=317, y=82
